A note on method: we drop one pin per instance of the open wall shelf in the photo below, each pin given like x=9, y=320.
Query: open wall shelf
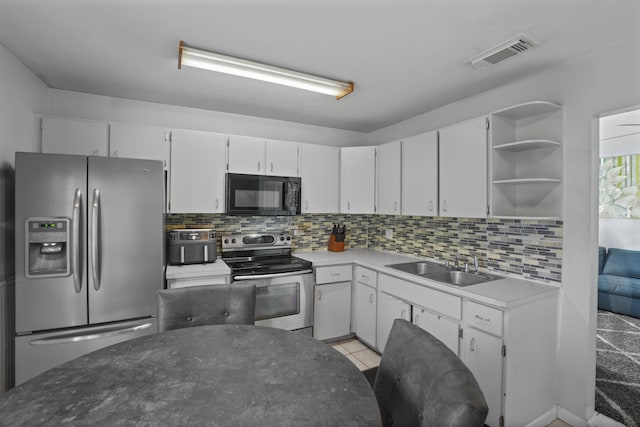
x=526, y=161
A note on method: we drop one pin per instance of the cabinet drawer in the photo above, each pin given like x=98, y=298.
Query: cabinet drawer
x=484, y=318
x=333, y=274
x=197, y=281
x=439, y=302
x=366, y=276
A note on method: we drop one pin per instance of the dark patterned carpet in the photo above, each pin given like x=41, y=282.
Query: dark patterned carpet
x=618, y=368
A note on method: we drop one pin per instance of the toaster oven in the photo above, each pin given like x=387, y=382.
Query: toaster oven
x=191, y=246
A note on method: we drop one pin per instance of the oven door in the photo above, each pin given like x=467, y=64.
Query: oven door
x=284, y=300
x=262, y=195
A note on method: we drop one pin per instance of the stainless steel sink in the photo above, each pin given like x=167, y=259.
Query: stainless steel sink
x=440, y=273
x=461, y=278
x=420, y=268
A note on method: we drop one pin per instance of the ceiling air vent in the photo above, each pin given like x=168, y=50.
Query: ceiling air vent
x=506, y=50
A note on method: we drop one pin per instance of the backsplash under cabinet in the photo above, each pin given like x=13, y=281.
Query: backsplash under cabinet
x=528, y=248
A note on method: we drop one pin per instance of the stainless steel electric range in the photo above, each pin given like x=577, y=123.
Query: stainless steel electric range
x=284, y=283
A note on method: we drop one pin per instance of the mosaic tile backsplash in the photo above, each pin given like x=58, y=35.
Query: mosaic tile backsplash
x=529, y=248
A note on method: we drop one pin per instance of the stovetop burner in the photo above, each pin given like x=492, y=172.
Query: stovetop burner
x=261, y=254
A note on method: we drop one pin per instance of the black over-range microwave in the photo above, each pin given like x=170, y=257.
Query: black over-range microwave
x=262, y=195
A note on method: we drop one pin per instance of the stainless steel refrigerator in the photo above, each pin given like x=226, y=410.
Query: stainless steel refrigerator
x=89, y=255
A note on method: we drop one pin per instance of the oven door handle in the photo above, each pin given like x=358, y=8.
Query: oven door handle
x=272, y=276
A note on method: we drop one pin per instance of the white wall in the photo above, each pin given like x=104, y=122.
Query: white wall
x=603, y=81
x=103, y=108
x=21, y=94
x=619, y=233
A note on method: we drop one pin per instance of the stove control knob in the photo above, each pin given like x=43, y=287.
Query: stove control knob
x=288, y=238
x=282, y=238
x=226, y=240
x=233, y=240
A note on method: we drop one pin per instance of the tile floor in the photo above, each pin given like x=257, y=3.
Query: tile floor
x=361, y=355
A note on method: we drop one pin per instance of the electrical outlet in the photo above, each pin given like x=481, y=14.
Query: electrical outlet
x=388, y=233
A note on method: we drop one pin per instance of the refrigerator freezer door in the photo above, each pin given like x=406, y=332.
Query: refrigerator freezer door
x=125, y=238
x=36, y=353
x=50, y=185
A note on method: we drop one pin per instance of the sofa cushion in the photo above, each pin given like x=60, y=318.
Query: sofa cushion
x=618, y=285
x=602, y=254
x=622, y=262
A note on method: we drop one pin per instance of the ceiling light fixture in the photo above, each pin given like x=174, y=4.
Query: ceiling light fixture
x=206, y=60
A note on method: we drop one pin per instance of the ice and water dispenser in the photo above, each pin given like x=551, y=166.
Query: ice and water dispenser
x=48, y=247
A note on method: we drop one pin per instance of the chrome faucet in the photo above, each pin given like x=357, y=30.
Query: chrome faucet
x=475, y=263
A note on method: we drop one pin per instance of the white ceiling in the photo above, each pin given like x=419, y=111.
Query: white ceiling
x=406, y=57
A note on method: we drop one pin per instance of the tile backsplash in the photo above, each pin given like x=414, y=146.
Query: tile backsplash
x=529, y=248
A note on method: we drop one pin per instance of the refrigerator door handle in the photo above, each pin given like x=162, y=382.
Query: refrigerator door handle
x=95, y=247
x=75, y=254
x=71, y=338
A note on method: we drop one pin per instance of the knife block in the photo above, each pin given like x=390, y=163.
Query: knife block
x=336, y=246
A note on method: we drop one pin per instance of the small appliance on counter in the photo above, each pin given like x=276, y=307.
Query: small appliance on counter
x=191, y=246
x=336, y=240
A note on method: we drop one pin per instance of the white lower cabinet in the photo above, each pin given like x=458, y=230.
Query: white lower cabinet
x=332, y=310
x=446, y=330
x=364, y=305
x=390, y=308
x=483, y=356
x=436, y=312
x=332, y=302
x=511, y=353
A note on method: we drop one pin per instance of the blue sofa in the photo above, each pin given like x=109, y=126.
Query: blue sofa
x=619, y=281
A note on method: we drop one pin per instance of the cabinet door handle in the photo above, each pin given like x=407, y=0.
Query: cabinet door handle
x=306, y=205
x=335, y=274
x=430, y=205
x=444, y=205
x=416, y=321
x=371, y=298
x=115, y=153
x=271, y=167
x=319, y=294
x=348, y=206
x=364, y=276
x=402, y=314
x=258, y=166
x=472, y=345
x=482, y=319
x=217, y=204
x=395, y=206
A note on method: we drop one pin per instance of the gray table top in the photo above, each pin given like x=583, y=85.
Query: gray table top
x=231, y=375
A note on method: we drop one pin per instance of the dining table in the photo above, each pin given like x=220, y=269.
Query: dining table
x=219, y=375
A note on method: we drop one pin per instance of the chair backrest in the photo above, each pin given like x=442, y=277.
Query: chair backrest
x=206, y=305
x=421, y=382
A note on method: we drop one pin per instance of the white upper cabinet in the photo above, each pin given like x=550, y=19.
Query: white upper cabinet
x=197, y=172
x=65, y=136
x=389, y=172
x=463, y=169
x=357, y=180
x=420, y=174
x=246, y=155
x=282, y=158
x=257, y=156
x=139, y=142
x=320, y=171
x=526, y=161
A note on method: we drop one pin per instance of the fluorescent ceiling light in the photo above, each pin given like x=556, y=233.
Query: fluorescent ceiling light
x=198, y=58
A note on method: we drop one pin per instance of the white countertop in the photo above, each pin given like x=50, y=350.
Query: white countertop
x=217, y=268
x=505, y=293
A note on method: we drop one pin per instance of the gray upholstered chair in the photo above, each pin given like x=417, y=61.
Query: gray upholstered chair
x=420, y=382
x=206, y=305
